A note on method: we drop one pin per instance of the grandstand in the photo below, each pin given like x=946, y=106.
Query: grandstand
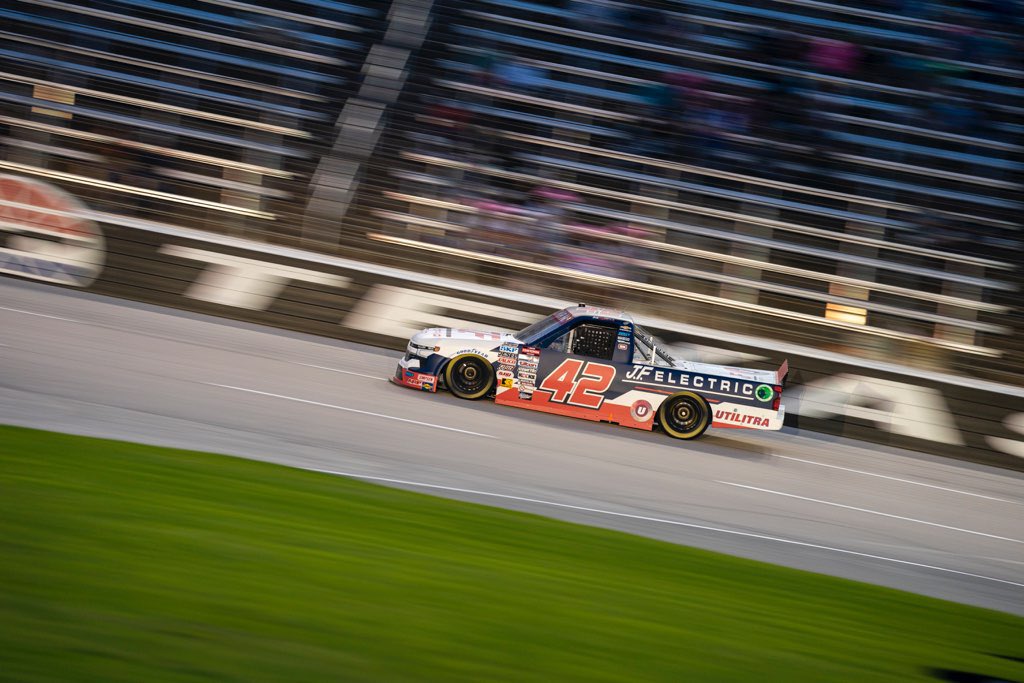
x=714, y=176
x=843, y=177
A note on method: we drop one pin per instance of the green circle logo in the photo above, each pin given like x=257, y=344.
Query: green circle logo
x=764, y=393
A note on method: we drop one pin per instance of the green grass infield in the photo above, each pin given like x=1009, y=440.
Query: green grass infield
x=122, y=562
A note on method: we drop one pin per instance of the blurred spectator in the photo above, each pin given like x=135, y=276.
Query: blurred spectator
x=834, y=57
x=877, y=66
x=590, y=253
x=673, y=29
x=719, y=122
x=630, y=250
x=643, y=23
x=779, y=48
x=660, y=100
x=275, y=33
x=126, y=164
x=594, y=16
x=449, y=121
x=934, y=230
x=792, y=123
x=496, y=229
x=488, y=139
x=515, y=74
x=785, y=109
x=954, y=113
x=546, y=206
x=268, y=30
x=690, y=102
x=483, y=63
x=685, y=86
x=935, y=66
x=1004, y=15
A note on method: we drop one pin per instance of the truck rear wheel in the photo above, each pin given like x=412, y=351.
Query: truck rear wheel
x=685, y=415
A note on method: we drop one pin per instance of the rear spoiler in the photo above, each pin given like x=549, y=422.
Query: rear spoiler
x=780, y=374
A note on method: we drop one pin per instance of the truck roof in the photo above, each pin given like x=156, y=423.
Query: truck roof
x=585, y=311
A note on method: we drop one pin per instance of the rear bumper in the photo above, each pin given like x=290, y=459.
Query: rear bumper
x=407, y=374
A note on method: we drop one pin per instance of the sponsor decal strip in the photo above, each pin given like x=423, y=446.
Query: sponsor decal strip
x=699, y=390
x=741, y=418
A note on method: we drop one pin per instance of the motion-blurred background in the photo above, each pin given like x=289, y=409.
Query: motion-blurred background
x=845, y=176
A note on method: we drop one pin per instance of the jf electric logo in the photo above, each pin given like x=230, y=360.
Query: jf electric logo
x=45, y=235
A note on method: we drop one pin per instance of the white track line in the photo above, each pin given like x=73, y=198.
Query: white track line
x=349, y=410
x=662, y=521
x=344, y=372
x=936, y=551
x=871, y=512
x=884, y=476
x=39, y=315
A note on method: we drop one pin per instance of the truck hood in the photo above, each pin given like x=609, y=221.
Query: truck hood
x=449, y=340
x=436, y=333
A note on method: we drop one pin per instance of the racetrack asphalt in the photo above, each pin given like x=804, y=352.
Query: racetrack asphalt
x=98, y=366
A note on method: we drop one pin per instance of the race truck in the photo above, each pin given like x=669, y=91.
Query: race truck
x=596, y=364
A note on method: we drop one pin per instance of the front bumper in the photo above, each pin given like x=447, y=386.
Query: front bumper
x=408, y=374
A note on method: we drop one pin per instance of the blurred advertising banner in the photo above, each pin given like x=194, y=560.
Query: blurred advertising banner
x=336, y=297
x=45, y=234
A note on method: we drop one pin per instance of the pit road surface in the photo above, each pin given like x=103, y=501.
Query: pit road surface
x=97, y=366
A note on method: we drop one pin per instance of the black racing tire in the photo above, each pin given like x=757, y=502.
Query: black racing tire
x=469, y=376
x=685, y=415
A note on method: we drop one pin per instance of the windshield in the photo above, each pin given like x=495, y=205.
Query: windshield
x=532, y=333
x=649, y=349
